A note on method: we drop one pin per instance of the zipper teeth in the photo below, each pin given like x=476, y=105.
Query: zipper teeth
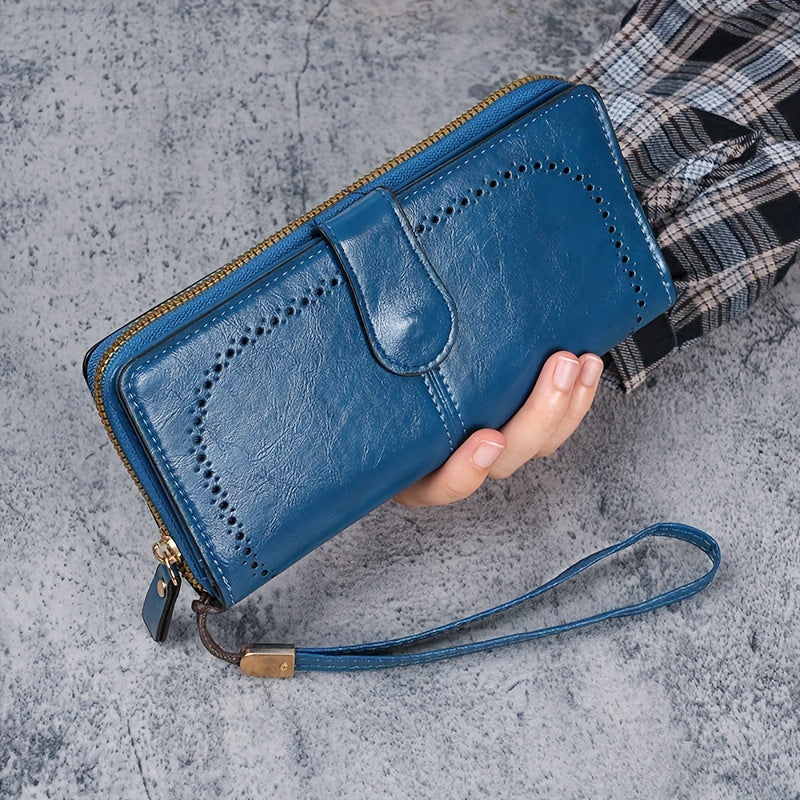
x=215, y=277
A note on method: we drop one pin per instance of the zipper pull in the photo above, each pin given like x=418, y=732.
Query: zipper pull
x=160, y=601
x=163, y=592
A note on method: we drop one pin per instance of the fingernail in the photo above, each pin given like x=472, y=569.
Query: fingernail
x=565, y=373
x=486, y=454
x=591, y=370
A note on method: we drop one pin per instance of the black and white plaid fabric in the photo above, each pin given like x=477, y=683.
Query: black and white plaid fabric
x=705, y=100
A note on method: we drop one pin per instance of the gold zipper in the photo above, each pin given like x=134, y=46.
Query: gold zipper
x=166, y=550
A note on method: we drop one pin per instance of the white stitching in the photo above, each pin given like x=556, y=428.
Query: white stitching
x=453, y=400
x=425, y=379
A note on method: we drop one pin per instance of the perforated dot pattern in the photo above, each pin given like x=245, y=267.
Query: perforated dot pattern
x=249, y=338
x=494, y=183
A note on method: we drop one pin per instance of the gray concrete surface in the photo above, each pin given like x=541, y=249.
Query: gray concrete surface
x=141, y=146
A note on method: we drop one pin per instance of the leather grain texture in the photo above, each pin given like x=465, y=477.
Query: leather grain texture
x=360, y=362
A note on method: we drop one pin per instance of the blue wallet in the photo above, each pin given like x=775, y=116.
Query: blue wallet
x=274, y=402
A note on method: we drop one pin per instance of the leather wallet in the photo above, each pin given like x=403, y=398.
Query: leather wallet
x=274, y=402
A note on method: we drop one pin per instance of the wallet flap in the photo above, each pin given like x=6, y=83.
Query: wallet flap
x=408, y=315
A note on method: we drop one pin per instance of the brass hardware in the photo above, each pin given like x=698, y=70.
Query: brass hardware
x=267, y=660
x=215, y=277
x=161, y=587
x=166, y=551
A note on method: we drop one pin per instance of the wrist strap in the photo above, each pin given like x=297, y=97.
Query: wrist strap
x=283, y=660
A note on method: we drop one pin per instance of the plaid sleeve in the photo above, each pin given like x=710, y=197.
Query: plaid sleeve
x=705, y=99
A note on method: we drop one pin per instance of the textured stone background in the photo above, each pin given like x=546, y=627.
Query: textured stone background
x=141, y=146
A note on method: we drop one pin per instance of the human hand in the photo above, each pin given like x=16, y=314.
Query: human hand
x=559, y=401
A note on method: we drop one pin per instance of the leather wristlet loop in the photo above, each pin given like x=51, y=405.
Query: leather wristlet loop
x=203, y=606
x=378, y=655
